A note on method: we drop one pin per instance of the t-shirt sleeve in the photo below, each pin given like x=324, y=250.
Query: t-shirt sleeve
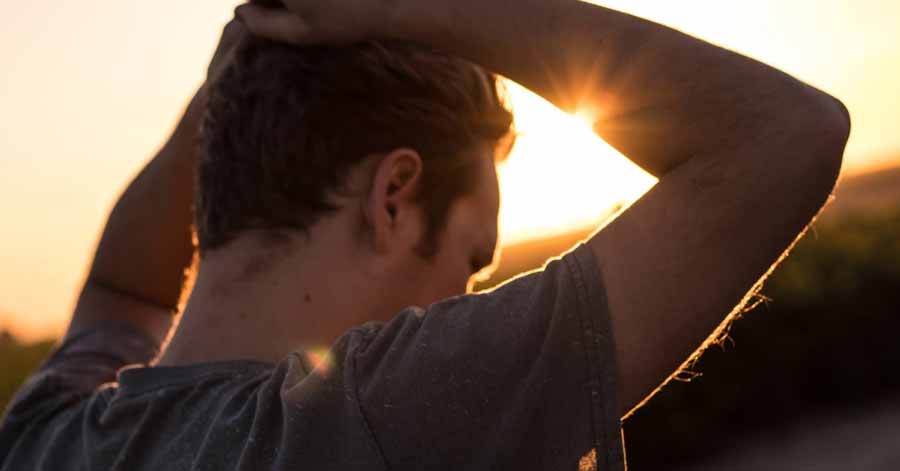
x=522, y=377
x=77, y=367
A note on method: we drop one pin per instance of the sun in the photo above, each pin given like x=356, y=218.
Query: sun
x=560, y=176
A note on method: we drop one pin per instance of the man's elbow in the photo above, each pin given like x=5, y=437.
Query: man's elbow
x=835, y=128
x=823, y=135
x=836, y=133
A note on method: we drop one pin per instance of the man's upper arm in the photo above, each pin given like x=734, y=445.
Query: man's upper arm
x=89, y=356
x=107, y=333
x=100, y=302
x=519, y=377
x=686, y=254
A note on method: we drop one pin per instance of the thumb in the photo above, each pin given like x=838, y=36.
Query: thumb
x=274, y=23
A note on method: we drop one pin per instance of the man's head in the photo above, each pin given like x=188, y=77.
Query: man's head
x=395, y=141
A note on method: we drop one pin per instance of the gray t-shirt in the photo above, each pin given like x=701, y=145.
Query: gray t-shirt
x=522, y=377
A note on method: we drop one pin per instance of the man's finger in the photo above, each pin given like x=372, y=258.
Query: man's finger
x=232, y=33
x=278, y=24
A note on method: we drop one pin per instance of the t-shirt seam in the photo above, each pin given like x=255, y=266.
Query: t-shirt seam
x=365, y=334
x=586, y=327
x=590, y=332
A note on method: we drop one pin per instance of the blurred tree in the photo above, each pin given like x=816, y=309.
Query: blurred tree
x=16, y=362
x=826, y=341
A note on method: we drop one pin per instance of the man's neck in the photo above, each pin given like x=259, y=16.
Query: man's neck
x=265, y=305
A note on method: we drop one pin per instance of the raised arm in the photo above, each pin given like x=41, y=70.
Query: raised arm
x=746, y=154
x=138, y=270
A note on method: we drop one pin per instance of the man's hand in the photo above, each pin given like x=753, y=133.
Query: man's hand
x=302, y=22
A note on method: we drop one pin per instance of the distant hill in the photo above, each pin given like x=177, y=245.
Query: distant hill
x=877, y=191
x=872, y=192
x=530, y=255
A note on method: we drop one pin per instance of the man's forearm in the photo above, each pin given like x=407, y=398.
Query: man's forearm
x=146, y=245
x=658, y=95
x=138, y=272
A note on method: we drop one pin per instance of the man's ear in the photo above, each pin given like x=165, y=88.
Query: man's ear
x=391, y=208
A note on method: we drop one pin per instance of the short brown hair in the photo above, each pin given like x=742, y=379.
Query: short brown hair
x=284, y=125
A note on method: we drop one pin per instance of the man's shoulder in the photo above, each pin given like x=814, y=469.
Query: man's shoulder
x=219, y=414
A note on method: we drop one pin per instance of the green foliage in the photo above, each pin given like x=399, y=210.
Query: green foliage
x=17, y=361
x=837, y=263
x=826, y=341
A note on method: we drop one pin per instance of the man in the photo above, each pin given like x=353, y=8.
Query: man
x=344, y=191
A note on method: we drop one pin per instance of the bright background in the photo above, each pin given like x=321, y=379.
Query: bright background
x=90, y=89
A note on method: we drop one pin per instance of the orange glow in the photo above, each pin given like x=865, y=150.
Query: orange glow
x=560, y=175
x=89, y=93
x=322, y=360
x=588, y=462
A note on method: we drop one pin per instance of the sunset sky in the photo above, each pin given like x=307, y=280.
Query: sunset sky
x=90, y=89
